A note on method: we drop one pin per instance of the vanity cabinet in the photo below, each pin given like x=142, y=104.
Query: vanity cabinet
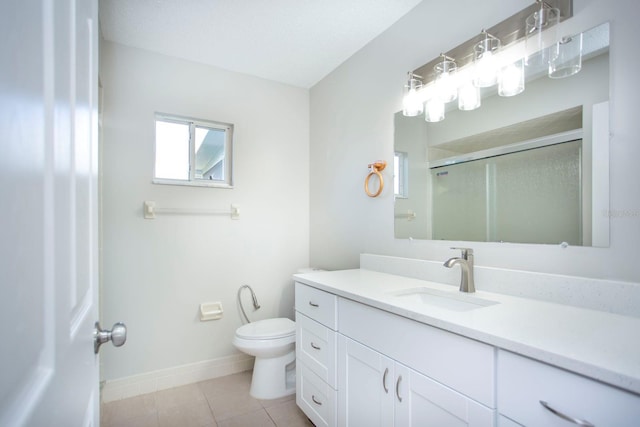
x=316, y=381
x=365, y=365
x=524, y=384
x=374, y=390
x=395, y=371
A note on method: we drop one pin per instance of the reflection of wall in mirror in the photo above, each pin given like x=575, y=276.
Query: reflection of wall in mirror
x=410, y=134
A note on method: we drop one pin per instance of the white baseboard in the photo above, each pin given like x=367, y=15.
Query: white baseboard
x=150, y=382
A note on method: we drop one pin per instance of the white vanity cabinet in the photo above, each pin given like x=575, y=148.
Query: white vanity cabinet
x=523, y=384
x=374, y=390
x=316, y=324
x=395, y=371
x=364, y=361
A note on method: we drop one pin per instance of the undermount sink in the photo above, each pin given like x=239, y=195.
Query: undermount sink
x=450, y=300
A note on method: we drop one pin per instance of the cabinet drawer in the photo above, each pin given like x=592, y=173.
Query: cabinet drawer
x=316, y=347
x=523, y=383
x=316, y=399
x=316, y=304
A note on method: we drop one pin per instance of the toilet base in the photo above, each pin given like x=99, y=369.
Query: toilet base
x=273, y=377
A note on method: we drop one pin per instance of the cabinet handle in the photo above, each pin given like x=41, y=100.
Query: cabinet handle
x=314, y=346
x=577, y=421
x=384, y=380
x=398, y=388
x=313, y=304
x=313, y=397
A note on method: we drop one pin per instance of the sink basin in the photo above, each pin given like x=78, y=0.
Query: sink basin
x=450, y=300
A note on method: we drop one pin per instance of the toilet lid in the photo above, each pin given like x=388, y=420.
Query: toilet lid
x=268, y=328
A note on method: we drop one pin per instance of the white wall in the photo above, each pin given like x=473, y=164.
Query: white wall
x=157, y=272
x=352, y=124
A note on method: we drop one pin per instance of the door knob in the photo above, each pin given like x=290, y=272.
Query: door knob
x=117, y=335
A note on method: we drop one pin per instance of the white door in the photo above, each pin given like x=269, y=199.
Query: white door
x=48, y=213
x=365, y=386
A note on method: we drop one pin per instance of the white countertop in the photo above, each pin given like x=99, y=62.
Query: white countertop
x=599, y=345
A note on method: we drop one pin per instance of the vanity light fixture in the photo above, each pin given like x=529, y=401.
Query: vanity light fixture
x=484, y=60
x=412, y=104
x=511, y=79
x=541, y=32
x=500, y=54
x=445, y=86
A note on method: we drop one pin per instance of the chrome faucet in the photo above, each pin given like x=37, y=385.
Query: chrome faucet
x=466, y=265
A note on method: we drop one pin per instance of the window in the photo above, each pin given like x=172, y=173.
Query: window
x=192, y=152
x=400, y=177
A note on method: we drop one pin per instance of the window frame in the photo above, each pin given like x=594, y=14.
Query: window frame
x=401, y=175
x=193, y=123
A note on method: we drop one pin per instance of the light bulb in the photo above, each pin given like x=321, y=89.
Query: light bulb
x=435, y=110
x=412, y=104
x=512, y=79
x=486, y=70
x=468, y=97
x=485, y=63
x=445, y=87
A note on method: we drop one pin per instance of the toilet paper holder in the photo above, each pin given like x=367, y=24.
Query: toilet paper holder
x=211, y=311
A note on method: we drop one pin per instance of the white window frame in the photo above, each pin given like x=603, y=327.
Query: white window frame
x=193, y=123
x=401, y=175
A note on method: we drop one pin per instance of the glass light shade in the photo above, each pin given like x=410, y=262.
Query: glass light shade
x=435, y=110
x=468, y=97
x=412, y=104
x=484, y=60
x=566, y=57
x=445, y=86
x=541, y=33
x=511, y=80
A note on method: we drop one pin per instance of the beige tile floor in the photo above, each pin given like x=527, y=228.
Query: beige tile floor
x=221, y=402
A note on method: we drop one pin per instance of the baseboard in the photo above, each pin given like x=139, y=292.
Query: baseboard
x=150, y=382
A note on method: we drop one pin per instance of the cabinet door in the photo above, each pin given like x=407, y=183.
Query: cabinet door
x=365, y=386
x=421, y=401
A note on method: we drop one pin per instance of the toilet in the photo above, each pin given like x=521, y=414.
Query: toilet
x=273, y=343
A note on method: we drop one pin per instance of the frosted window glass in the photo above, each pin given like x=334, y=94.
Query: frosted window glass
x=529, y=196
x=459, y=208
x=538, y=195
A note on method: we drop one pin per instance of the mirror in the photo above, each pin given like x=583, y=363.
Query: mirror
x=531, y=168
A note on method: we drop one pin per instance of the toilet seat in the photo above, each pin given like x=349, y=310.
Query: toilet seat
x=267, y=329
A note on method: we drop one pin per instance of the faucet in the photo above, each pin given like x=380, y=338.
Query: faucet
x=466, y=265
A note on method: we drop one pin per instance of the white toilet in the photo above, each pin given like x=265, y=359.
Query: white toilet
x=273, y=343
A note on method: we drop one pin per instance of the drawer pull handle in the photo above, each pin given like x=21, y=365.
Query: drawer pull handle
x=398, y=388
x=313, y=304
x=384, y=380
x=577, y=421
x=313, y=397
x=314, y=346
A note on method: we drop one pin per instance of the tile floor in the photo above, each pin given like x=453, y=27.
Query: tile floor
x=220, y=402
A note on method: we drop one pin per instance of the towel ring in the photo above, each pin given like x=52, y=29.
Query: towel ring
x=375, y=168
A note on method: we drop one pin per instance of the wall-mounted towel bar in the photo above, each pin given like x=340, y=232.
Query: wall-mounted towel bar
x=409, y=215
x=150, y=210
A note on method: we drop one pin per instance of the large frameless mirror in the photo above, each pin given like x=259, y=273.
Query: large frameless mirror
x=531, y=168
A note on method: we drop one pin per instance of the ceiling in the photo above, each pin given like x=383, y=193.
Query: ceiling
x=297, y=42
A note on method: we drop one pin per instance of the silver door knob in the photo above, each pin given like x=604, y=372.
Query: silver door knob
x=117, y=335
